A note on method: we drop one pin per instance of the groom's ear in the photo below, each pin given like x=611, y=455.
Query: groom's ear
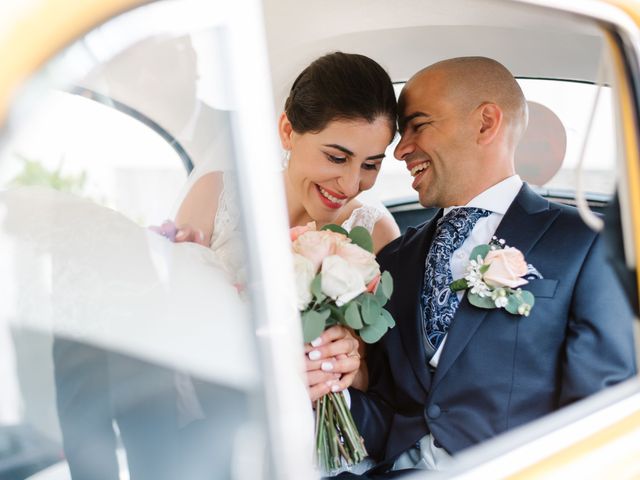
x=285, y=129
x=491, y=118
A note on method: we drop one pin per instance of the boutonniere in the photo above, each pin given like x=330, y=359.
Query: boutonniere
x=494, y=277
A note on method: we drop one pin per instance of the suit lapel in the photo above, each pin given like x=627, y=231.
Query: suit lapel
x=527, y=219
x=411, y=258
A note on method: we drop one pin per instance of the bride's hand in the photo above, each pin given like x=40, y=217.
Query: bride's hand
x=184, y=233
x=332, y=361
x=187, y=233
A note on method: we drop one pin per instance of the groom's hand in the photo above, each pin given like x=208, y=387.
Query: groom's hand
x=332, y=361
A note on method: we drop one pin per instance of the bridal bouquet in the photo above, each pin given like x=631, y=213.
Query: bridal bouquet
x=339, y=282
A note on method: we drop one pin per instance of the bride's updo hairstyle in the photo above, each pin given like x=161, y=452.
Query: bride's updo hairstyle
x=340, y=86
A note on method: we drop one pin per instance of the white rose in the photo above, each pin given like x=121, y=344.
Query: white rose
x=340, y=281
x=359, y=258
x=304, y=272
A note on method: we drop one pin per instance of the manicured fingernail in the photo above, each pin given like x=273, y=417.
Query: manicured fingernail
x=180, y=235
x=326, y=366
x=317, y=342
x=329, y=383
x=201, y=236
x=335, y=388
x=314, y=355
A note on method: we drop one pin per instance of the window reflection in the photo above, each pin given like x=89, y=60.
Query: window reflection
x=122, y=355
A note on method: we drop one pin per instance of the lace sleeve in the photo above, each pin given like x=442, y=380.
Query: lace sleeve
x=365, y=216
x=226, y=241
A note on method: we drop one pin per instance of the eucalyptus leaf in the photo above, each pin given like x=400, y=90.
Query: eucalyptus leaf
x=513, y=302
x=386, y=316
x=520, y=300
x=352, y=316
x=527, y=297
x=380, y=296
x=483, y=269
x=372, y=333
x=337, y=314
x=480, y=250
x=361, y=237
x=316, y=288
x=480, y=302
x=335, y=228
x=313, y=324
x=370, y=309
x=386, y=284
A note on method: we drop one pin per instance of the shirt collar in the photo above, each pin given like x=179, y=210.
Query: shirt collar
x=498, y=198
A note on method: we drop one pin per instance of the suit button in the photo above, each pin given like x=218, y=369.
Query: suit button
x=433, y=411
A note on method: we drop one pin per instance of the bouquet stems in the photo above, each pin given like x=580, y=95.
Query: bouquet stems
x=338, y=442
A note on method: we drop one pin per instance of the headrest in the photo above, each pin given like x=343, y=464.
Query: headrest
x=541, y=151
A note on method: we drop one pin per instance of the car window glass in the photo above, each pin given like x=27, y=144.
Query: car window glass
x=121, y=352
x=83, y=147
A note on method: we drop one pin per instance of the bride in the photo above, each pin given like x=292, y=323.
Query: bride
x=338, y=119
x=113, y=309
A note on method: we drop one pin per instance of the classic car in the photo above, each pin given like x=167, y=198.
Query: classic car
x=106, y=106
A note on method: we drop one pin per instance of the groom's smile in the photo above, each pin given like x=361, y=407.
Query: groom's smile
x=417, y=169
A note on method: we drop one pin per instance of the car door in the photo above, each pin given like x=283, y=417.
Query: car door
x=123, y=354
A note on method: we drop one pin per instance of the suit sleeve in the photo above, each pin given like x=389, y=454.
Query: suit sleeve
x=371, y=410
x=600, y=343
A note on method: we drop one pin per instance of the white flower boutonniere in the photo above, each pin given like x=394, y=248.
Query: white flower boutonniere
x=494, y=277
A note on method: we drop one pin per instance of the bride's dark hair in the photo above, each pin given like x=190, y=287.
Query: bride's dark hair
x=340, y=86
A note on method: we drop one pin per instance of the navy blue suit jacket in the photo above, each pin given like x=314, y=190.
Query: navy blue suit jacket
x=498, y=371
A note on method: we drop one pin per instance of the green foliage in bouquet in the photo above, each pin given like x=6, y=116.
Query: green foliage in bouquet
x=364, y=314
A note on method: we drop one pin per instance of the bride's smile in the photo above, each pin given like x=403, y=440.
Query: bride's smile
x=331, y=199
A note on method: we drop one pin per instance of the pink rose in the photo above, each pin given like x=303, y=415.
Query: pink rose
x=295, y=232
x=506, y=267
x=373, y=284
x=364, y=262
x=316, y=245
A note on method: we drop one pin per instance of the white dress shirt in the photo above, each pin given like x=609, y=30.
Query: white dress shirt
x=497, y=199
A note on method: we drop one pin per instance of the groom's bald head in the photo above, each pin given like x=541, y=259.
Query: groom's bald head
x=471, y=81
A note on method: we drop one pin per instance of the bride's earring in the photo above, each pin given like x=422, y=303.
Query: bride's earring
x=286, y=158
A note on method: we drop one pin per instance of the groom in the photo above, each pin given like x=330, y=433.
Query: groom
x=450, y=374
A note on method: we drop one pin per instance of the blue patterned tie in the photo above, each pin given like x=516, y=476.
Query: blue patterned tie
x=439, y=303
